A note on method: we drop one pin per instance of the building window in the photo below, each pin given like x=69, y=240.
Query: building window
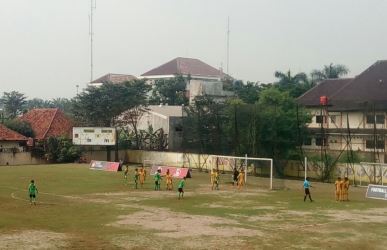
x=370, y=144
x=320, y=141
x=378, y=119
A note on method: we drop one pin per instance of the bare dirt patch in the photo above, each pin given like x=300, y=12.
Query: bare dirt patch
x=33, y=240
x=375, y=215
x=176, y=224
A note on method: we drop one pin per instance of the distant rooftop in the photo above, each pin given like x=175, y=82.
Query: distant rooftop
x=369, y=89
x=7, y=134
x=114, y=78
x=185, y=66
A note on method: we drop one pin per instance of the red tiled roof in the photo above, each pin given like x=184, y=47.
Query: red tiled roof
x=114, y=78
x=7, y=134
x=185, y=66
x=48, y=122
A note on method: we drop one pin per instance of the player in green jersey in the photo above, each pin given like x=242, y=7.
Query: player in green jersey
x=32, y=191
x=180, y=188
x=157, y=179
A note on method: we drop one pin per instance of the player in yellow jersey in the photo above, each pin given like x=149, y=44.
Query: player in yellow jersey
x=338, y=189
x=345, y=189
x=241, y=179
x=168, y=180
x=142, y=174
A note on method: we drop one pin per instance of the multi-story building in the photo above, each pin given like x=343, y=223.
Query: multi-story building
x=202, y=79
x=350, y=113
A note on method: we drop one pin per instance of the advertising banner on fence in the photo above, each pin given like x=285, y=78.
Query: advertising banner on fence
x=176, y=172
x=377, y=192
x=105, y=165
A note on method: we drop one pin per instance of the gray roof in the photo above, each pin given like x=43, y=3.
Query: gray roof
x=114, y=78
x=185, y=66
x=365, y=91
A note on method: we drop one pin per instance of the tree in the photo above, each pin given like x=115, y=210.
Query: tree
x=296, y=85
x=22, y=127
x=331, y=71
x=13, y=103
x=38, y=103
x=248, y=92
x=60, y=149
x=205, y=121
x=131, y=117
x=170, y=91
x=279, y=119
x=101, y=106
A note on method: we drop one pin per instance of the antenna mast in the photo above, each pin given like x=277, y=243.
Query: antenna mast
x=228, y=44
x=93, y=5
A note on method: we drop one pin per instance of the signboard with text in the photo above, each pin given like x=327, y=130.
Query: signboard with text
x=94, y=136
x=377, y=192
x=105, y=166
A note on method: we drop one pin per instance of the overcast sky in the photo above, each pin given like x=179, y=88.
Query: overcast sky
x=45, y=48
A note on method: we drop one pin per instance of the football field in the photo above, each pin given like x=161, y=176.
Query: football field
x=79, y=208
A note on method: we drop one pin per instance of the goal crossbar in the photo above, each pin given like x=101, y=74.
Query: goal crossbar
x=253, y=159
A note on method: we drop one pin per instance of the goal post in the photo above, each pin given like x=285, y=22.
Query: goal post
x=375, y=172
x=230, y=162
x=148, y=163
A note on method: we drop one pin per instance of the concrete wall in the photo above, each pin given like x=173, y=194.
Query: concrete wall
x=21, y=158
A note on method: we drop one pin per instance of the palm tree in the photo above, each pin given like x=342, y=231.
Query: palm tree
x=331, y=71
x=286, y=79
x=296, y=85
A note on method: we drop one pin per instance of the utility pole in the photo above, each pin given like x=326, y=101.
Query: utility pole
x=93, y=5
x=228, y=44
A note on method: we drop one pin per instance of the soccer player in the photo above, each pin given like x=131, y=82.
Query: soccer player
x=126, y=172
x=235, y=177
x=345, y=189
x=142, y=175
x=338, y=189
x=212, y=179
x=168, y=178
x=241, y=179
x=216, y=180
x=181, y=187
x=135, y=177
x=32, y=191
x=157, y=179
x=307, y=186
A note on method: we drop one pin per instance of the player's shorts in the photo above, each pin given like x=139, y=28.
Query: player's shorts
x=181, y=190
x=307, y=191
x=32, y=195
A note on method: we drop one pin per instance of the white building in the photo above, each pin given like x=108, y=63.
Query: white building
x=354, y=116
x=202, y=78
x=168, y=118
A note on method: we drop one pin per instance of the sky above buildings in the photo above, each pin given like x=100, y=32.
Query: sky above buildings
x=45, y=44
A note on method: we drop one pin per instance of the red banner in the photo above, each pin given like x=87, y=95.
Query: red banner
x=175, y=172
x=105, y=165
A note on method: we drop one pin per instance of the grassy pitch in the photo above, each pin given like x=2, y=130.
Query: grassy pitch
x=80, y=208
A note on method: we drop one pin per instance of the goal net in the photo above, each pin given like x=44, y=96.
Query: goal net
x=372, y=173
x=148, y=163
x=258, y=171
